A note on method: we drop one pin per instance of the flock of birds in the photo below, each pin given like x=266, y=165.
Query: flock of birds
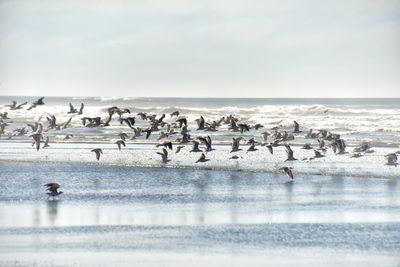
x=165, y=130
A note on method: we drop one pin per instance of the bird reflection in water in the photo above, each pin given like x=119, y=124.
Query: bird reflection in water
x=52, y=210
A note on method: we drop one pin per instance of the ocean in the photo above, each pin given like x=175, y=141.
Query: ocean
x=129, y=208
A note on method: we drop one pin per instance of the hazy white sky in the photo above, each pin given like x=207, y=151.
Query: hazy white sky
x=249, y=48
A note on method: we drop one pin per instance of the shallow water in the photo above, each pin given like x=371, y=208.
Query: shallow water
x=156, y=216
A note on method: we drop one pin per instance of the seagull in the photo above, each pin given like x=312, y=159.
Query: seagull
x=200, y=123
x=288, y=171
x=244, y=127
x=98, y=151
x=164, y=155
x=52, y=188
x=119, y=143
x=202, y=158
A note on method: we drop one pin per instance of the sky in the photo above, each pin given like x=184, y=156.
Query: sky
x=251, y=48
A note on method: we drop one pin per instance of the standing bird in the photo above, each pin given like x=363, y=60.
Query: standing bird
x=98, y=151
x=52, y=188
x=119, y=143
x=288, y=171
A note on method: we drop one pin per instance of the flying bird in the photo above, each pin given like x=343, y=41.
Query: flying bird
x=53, y=189
x=164, y=156
x=98, y=151
x=288, y=171
x=202, y=158
x=120, y=143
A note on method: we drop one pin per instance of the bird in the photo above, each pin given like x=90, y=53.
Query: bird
x=200, y=123
x=175, y=113
x=164, y=155
x=296, y=127
x=244, y=127
x=80, y=112
x=288, y=171
x=119, y=143
x=72, y=109
x=391, y=159
x=289, y=152
x=178, y=148
x=202, y=158
x=270, y=149
x=98, y=151
x=195, y=146
x=36, y=103
x=53, y=189
x=207, y=141
x=166, y=144
x=252, y=148
x=318, y=154
x=46, y=143
x=235, y=144
x=36, y=138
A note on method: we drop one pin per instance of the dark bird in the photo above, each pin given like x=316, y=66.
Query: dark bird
x=164, y=155
x=296, y=127
x=307, y=146
x=98, y=151
x=80, y=112
x=391, y=159
x=195, y=146
x=166, y=144
x=36, y=103
x=148, y=132
x=200, y=123
x=244, y=127
x=270, y=149
x=182, y=121
x=252, y=148
x=289, y=152
x=72, y=109
x=123, y=136
x=235, y=144
x=130, y=121
x=120, y=143
x=36, y=138
x=207, y=141
x=53, y=189
x=175, y=113
x=14, y=105
x=258, y=126
x=288, y=171
x=202, y=158
x=318, y=154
